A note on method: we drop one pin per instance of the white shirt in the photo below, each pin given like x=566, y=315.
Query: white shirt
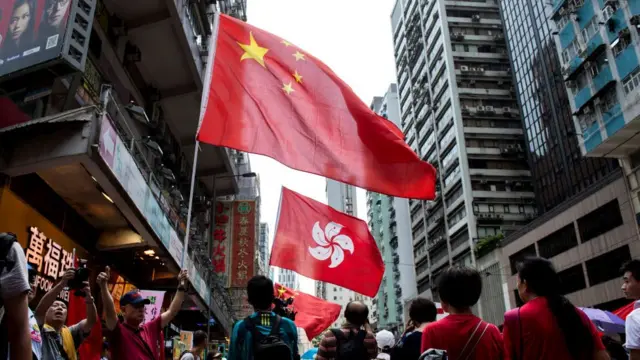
x=632, y=328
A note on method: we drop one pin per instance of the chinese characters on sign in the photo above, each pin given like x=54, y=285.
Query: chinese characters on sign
x=221, y=237
x=49, y=258
x=154, y=309
x=244, y=240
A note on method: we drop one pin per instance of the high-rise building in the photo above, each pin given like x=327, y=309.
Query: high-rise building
x=459, y=112
x=390, y=224
x=587, y=224
x=263, y=248
x=341, y=197
x=289, y=279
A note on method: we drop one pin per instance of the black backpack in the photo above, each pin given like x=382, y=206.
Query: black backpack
x=6, y=242
x=352, y=347
x=269, y=347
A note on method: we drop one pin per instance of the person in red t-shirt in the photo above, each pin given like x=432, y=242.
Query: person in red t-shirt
x=131, y=339
x=548, y=326
x=462, y=334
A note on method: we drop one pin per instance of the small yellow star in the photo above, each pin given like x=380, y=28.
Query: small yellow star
x=286, y=43
x=281, y=291
x=288, y=88
x=253, y=51
x=299, y=56
x=298, y=77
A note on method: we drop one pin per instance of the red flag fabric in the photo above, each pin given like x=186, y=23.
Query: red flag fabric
x=624, y=311
x=321, y=243
x=269, y=97
x=314, y=315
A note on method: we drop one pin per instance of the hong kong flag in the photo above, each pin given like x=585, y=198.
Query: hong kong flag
x=314, y=315
x=324, y=244
x=268, y=96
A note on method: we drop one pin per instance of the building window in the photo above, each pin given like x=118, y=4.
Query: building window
x=603, y=219
x=492, y=209
x=507, y=210
x=572, y=279
x=521, y=255
x=590, y=29
x=521, y=209
x=631, y=82
x=562, y=22
x=476, y=208
x=607, y=266
x=558, y=242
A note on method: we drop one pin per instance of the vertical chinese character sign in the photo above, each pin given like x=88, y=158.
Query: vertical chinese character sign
x=244, y=242
x=222, y=238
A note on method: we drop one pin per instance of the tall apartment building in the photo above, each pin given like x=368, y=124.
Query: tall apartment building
x=341, y=197
x=289, y=279
x=390, y=224
x=263, y=248
x=575, y=65
x=459, y=112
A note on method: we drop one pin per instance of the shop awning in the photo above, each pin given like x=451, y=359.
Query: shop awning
x=84, y=114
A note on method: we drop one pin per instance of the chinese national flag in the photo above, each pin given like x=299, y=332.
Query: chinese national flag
x=321, y=243
x=314, y=315
x=269, y=97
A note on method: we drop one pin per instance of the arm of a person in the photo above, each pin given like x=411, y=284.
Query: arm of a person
x=372, y=345
x=109, y=308
x=51, y=296
x=506, y=340
x=424, y=343
x=294, y=340
x=92, y=313
x=325, y=345
x=16, y=311
x=173, y=309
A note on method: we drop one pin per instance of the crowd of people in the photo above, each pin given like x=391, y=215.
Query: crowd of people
x=547, y=326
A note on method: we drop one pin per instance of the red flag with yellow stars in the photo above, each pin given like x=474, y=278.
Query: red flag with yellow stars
x=314, y=315
x=267, y=96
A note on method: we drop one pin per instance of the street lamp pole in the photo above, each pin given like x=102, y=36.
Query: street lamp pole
x=212, y=221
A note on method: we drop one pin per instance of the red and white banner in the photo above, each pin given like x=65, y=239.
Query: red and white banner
x=243, y=247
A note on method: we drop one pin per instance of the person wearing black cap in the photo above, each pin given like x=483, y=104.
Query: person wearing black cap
x=131, y=339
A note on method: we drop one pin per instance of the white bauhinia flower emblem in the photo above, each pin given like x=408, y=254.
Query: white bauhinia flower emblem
x=331, y=244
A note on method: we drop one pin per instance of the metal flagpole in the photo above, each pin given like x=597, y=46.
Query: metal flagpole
x=193, y=184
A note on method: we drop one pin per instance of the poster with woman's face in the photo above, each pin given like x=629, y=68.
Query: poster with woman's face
x=32, y=31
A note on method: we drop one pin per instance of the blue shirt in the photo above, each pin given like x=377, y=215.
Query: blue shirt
x=241, y=347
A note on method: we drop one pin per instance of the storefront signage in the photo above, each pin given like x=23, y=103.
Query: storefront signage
x=222, y=238
x=244, y=242
x=49, y=258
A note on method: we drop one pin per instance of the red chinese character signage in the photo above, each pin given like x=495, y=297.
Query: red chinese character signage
x=244, y=242
x=221, y=237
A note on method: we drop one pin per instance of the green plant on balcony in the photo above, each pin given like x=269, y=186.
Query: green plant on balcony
x=487, y=244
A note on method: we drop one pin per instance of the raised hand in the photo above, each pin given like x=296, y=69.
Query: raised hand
x=104, y=277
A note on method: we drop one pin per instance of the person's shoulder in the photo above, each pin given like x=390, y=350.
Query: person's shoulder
x=289, y=324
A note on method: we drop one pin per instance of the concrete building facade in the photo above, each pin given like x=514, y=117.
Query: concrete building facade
x=390, y=224
x=289, y=279
x=263, y=248
x=459, y=112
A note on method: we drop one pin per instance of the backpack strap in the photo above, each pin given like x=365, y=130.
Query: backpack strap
x=339, y=335
x=275, y=326
x=251, y=326
x=474, y=339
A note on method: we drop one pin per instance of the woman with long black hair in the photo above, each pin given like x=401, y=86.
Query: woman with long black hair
x=548, y=326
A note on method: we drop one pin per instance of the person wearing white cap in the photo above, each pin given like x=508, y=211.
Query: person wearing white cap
x=385, y=340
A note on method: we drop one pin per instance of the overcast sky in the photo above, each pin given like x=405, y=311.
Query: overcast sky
x=354, y=38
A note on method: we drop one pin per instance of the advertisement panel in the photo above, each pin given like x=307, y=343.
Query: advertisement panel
x=240, y=302
x=154, y=309
x=31, y=32
x=47, y=248
x=221, y=239
x=244, y=242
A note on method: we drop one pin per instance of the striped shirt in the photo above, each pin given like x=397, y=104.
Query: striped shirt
x=328, y=344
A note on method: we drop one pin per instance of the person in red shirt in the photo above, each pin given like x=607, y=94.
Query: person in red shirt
x=548, y=326
x=131, y=339
x=463, y=335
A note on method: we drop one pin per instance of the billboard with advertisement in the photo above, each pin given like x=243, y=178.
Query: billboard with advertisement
x=36, y=31
x=243, y=246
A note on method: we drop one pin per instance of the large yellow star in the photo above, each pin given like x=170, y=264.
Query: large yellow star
x=281, y=291
x=298, y=77
x=253, y=51
x=299, y=56
x=288, y=88
x=286, y=43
